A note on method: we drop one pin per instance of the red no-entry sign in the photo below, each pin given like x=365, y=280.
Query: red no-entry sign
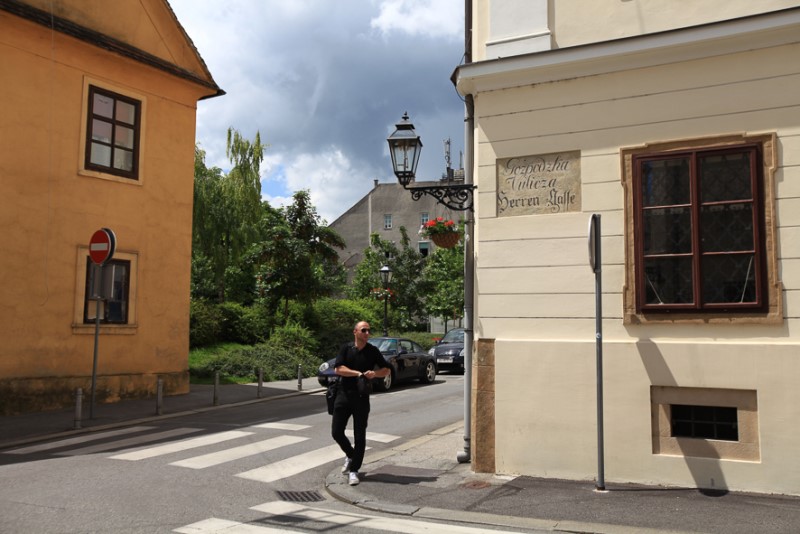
x=102, y=246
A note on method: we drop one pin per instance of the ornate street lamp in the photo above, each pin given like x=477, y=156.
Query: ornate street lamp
x=386, y=277
x=405, y=147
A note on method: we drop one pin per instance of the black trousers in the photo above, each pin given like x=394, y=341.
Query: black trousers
x=350, y=403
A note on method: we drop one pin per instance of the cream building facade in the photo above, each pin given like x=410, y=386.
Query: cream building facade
x=680, y=125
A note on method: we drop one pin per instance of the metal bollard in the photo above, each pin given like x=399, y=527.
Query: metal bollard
x=299, y=377
x=216, y=388
x=78, y=408
x=260, y=382
x=159, y=396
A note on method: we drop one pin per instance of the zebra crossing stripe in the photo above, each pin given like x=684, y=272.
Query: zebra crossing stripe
x=182, y=445
x=388, y=524
x=374, y=436
x=282, y=426
x=77, y=440
x=130, y=442
x=294, y=465
x=223, y=526
x=228, y=455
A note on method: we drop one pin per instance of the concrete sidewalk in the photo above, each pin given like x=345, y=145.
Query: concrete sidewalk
x=422, y=478
x=21, y=429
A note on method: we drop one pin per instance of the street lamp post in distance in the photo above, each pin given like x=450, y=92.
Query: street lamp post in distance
x=386, y=278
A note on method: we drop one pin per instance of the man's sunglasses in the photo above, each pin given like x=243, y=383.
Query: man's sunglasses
x=365, y=330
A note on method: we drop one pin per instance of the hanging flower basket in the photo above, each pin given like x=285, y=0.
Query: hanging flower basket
x=445, y=233
x=446, y=240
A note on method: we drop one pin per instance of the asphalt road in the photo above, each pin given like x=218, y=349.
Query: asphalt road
x=237, y=464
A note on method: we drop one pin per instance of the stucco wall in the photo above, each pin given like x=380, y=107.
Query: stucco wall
x=533, y=26
x=551, y=431
x=535, y=290
x=50, y=209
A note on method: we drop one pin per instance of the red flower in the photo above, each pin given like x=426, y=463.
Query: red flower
x=438, y=226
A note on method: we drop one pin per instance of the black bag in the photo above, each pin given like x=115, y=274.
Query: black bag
x=364, y=386
x=330, y=395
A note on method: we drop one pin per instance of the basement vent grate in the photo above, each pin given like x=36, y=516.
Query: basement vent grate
x=300, y=496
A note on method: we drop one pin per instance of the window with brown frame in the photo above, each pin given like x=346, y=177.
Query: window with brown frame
x=113, y=289
x=112, y=133
x=698, y=222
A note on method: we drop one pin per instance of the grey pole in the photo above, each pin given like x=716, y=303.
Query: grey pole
x=97, y=271
x=465, y=456
x=159, y=396
x=78, y=408
x=598, y=293
x=216, y=389
x=260, y=382
x=299, y=377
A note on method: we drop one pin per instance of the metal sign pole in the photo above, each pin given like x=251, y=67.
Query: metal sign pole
x=97, y=274
x=102, y=245
x=596, y=264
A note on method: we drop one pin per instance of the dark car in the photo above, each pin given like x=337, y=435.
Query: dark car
x=409, y=361
x=449, y=351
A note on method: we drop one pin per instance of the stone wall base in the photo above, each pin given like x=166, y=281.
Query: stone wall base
x=26, y=395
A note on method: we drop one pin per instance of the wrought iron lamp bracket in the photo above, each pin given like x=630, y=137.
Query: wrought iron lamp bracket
x=457, y=197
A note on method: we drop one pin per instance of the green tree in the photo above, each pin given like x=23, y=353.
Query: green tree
x=226, y=210
x=296, y=253
x=366, y=277
x=407, y=285
x=444, y=275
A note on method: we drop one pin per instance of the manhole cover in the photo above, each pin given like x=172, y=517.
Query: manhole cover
x=300, y=496
x=475, y=484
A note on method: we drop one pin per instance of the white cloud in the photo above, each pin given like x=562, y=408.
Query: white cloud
x=431, y=18
x=324, y=85
x=334, y=183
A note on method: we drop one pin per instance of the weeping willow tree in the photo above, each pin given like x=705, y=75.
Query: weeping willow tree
x=227, y=209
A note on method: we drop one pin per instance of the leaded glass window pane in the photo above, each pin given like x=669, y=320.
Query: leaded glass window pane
x=729, y=278
x=667, y=231
x=668, y=280
x=726, y=227
x=665, y=182
x=725, y=177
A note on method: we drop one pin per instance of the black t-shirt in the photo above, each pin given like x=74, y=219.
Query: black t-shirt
x=366, y=359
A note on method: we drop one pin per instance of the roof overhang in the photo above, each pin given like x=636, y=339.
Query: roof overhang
x=697, y=42
x=103, y=41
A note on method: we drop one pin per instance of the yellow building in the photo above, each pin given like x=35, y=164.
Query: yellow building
x=97, y=129
x=678, y=123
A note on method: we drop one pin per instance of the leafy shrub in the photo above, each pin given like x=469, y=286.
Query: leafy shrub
x=288, y=347
x=242, y=324
x=293, y=337
x=335, y=320
x=205, y=323
x=423, y=338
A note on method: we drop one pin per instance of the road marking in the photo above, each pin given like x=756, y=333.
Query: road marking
x=374, y=436
x=223, y=526
x=75, y=441
x=282, y=426
x=182, y=445
x=228, y=455
x=294, y=465
x=130, y=442
x=389, y=524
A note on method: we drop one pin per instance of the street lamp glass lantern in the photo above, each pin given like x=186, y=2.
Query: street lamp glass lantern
x=405, y=148
x=386, y=276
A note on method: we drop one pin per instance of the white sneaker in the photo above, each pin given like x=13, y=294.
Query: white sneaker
x=353, y=478
x=346, y=466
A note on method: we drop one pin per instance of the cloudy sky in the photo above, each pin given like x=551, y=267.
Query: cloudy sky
x=324, y=82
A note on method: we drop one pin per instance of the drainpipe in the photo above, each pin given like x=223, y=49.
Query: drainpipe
x=469, y=246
